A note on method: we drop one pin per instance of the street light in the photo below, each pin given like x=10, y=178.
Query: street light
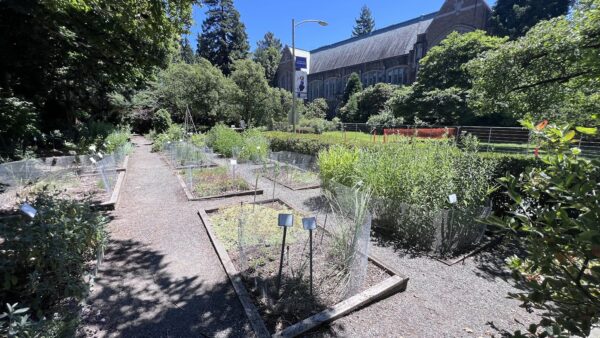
x=294, y=25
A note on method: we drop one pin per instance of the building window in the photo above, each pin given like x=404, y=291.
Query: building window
x=371, y=78
x=315, y=89
x=396, y=76
x=330, y=88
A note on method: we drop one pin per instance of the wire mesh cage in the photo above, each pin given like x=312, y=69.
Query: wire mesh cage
x=183, y=154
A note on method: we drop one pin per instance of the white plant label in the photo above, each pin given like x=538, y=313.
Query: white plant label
x=92, y=160
x=452, y=199
x=28, y=210
x=233, y=162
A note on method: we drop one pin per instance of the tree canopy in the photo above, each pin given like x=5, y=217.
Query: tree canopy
x=365, y=23
x=223, y=39
x=253, y=90
x=353, y=86
x=268, y=55
x=514, y=18
x=550, y=73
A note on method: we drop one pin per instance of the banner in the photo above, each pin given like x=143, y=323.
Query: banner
x=301, y=85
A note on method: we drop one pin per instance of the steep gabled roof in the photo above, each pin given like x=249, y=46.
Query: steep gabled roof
x=383, y=43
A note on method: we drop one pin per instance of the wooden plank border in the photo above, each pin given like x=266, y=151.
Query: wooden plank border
x=394, y=284
x=111, y=204
x=258, y=325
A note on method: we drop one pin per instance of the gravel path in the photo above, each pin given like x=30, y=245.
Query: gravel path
x=161, y=276
x=465, y=300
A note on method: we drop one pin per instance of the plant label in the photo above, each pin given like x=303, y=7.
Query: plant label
x=28, y=210
x=233, y=162
x=452, y=199
x=285, y=220
x=309, y=223
x=92, y=160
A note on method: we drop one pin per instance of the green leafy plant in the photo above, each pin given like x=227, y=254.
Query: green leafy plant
x=556, y=215
x=224, y=140
x=256, y=146
x=161, y=121
x=117, y=139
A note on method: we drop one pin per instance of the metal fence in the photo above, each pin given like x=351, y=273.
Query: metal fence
x=492, y=139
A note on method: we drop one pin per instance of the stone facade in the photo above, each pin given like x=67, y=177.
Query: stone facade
x=389, y=54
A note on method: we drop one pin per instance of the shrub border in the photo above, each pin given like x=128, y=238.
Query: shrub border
x=392, y=285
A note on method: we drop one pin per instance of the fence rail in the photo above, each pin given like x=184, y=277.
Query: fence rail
x=492, y=139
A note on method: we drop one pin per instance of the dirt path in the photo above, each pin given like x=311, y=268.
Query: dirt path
x=161, y=276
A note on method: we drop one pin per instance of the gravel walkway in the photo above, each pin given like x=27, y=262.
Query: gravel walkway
x=161, y=276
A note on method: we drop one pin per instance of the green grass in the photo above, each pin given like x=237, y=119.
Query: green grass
x=259, y=225
x=215, y=181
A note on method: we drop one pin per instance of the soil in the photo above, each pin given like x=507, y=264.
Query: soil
x=214, y=181
x=259, y=264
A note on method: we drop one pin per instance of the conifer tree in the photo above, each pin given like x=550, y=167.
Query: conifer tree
x=365, y=23
x=187, y=53
x=352, y=86
x=268, y=55
x=223, y=39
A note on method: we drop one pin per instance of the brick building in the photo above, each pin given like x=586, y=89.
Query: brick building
x=389, y=54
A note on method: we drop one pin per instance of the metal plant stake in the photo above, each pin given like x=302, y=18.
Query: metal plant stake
x=285, y=221
x=310, y=224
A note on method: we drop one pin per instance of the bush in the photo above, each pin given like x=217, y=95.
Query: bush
x=18, y=126
x=117, y=139
x=44, y=260
x=385, y=119
x=317, y=125
x=317, y=109
x=256, y=146
x=224, y=140
x=173, y=134
x=161, y=121
x=370, y=101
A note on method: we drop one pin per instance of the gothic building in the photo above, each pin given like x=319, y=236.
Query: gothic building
x=390, y=54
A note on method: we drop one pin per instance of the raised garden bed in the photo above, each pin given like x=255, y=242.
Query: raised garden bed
x=253, y=264
x=290, y=177
x=209, y=183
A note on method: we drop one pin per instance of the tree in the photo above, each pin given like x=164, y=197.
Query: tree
x=514, y=18
x=550, y=73
x=268, y=55
x=65, y=57
x=365, y=23
x=252, y=93
x=370, y=101
x=556, y=216
x=223, y=39
x=187, y=53
x=353, y=86
x=201, y=87
x=316, y=109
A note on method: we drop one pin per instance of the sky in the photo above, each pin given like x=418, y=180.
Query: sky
x=261, y=16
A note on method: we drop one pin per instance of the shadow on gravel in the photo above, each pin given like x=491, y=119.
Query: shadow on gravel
x=138, y=298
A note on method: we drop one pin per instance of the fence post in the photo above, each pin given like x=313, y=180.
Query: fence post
x=489, y=139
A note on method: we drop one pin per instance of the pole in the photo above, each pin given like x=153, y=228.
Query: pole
x=294, y=75
x=281, y=260
x=311, y=261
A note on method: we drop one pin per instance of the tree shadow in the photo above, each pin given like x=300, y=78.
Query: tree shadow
x=137, y=297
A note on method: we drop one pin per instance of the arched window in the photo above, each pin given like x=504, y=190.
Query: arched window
x=315, y=89
x=330, y=88
x=372, y=77
x=396, y=75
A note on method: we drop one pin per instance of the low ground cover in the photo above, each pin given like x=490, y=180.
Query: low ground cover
x=206, y=182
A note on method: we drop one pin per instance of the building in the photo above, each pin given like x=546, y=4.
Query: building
x=389, y=54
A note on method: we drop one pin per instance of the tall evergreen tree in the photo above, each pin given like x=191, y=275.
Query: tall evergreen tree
x=268, y=55
x=186, y=51
x=365, y=23
x=223, y=39
x=513, y=18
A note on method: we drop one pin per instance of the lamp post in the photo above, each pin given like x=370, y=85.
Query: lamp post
x=294, y=25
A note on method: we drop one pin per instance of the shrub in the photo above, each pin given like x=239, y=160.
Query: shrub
x=370, y=101
x=555, y=215
x=224, y=140
x=385, y=119
x=44, y=260
x=317, y=125
x=117, y=139
x=256, y=146
x=161, y=121
x=317, y=109
x=173, y=134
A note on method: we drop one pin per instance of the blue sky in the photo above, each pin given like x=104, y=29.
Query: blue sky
x=261, y=16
